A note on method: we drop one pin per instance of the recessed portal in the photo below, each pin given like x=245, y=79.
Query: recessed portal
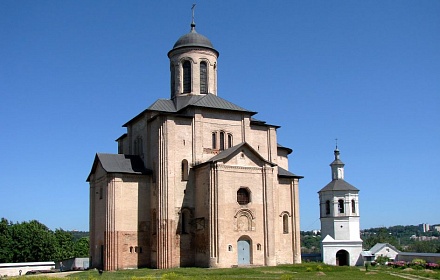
x=342, y=258
x=244, y=251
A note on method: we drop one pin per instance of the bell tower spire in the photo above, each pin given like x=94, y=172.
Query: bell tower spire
x=337, y=165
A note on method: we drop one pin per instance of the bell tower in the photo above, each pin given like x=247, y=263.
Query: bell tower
x=339, y=215
x=193, y=64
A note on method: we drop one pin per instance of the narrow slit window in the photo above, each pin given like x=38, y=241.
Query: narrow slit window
x=187, y=77
x=285, y=223
x=184, y=171
x=229, y=140
x=222, y=140
x=173, y=79
x=214, y=140
x=203, y=77
x=353, y=206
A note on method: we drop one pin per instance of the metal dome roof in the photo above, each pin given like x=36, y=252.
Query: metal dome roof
x=193, y=39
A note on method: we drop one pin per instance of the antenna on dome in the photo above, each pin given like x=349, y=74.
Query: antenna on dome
x=193, y=24
x=336, y=140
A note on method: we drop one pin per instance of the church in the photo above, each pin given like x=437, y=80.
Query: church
x=197, y=180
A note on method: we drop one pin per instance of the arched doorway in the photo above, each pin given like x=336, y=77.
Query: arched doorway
x=342, y=258
x=244, y=250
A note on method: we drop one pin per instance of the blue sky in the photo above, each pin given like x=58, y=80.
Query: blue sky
x=365, y=72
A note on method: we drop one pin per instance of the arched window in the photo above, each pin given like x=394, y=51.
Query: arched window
x=214, y=140
x=285, y=223
x=229, y=140
x=353, y=206
x=203, y=77
x=327, y=207
x=184, y=168
x=341, y=206
x=187, y=77
x=222, y=140
x=258, y=246
x=243, y=196
x=173, y=80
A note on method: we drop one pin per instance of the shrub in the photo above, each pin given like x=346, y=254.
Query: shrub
x=171, y=275
x=319, y=268
x=382, y=260
x=399, y=264
x=418, y=263
x=432, y=266
x=286, y=277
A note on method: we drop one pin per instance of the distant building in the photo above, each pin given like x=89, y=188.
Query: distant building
x=436, y=227
x=384, y=250
x=339, y=214
x=424, y=227
x=423, y=238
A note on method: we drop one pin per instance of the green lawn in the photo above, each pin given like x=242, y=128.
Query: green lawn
x=283, y=272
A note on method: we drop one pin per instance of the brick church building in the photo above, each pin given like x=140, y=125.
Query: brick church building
x=197, y=180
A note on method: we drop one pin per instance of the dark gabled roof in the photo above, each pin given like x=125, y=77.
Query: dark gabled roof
x=263, y=123
x=287, y=174
x=180, y=103
x=228, y=152
x=163, y=105
x=121, y=137
x=338, y=185
x=206, y=100
x=119, y=163
x=289, y=150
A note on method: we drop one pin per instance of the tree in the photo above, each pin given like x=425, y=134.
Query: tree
x=32, y=241
x=381, y=236
x=64, y=248
x=5, y=241
x=81, y=248
x=432, y=246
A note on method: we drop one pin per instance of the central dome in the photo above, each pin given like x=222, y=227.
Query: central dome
x=193, y=39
